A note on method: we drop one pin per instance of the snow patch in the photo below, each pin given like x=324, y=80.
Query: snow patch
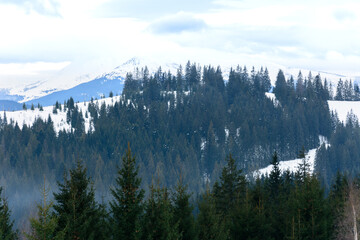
x=343, y=108
x=272, y=97
x=28, y=117
x=292, y=165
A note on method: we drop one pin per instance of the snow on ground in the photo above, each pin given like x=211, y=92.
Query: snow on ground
x=73, y=74
x=292, y=165
x=28, y=117
x=272, y=97
x=344, y=107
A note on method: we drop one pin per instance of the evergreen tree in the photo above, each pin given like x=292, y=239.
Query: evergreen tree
x=183, y=212
x=127, y=206
x=209, y=223
x=158, y=219
x=231, y=188
x=6, y=225
x=276, y=202
x=300, y=88
x=340, y=91
x=281, y=87
x=266, y=83
x=77, y=212
x=44, y=226
x=274, y=181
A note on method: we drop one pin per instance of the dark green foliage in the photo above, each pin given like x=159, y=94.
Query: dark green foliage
x=210, y=224
x=126, y=208
x=6, y=224
x=337, y=199
x=274, y=181
x=183, y=216
x=231, y=188
x=75, y=207
x=158, y=220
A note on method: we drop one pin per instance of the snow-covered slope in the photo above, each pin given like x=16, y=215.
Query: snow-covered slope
x=28, y=117
x=292, y=165
x=343, y=108
x=59, y=84
x=100, y=85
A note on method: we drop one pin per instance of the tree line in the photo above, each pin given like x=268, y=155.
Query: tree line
x=183, y=124
x=279, y=205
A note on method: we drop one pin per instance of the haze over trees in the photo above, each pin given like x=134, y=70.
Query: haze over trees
x=182, y=129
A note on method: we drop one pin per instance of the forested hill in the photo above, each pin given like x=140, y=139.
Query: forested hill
x=178, y=125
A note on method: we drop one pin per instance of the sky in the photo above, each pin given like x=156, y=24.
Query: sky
x=51, y=40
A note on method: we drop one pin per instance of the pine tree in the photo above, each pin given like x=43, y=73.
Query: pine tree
x=274, y=181
x=231, y=187
x=44, y=226
x=75, y=206
x=303, y=170
x=209, y=223
x=183, y=212
x=340, y=91
x=127, y=206
x=158, y=219
x=6, y=225
x=300, y=88
x=276, y=203
x=281, y=87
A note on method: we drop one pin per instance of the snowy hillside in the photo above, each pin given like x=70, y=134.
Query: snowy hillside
x=16, y=90
x=28, y=117
x=344, y=107
x=292, y=165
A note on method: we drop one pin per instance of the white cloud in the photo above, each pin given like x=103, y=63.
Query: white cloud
x=90, y=35
x=33, y=68
x=178, y=23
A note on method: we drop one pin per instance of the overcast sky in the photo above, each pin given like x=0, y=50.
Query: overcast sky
x=39, y=38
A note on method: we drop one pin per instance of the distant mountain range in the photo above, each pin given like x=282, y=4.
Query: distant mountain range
x=84, y=92
x=8, y=105
x=114, y=81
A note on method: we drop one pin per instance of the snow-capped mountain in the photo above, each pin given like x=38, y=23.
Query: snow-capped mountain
x=103, y=84
x=85, y=87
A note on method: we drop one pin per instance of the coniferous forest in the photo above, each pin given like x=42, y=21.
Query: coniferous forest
x=195, y=141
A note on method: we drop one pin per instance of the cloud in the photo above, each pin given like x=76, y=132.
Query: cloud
x=344, y=15
x=31, y=68
x=43, y=7
x=145, y=9
x=181, y=22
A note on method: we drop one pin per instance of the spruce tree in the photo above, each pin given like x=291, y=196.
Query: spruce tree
x=6, y=225
x=43, y=227
x=127, y=206
x=231, y=188
x=76, y=208
x=183, y=212
x=209, y=223
x=158, y=219
x=274, y=185
x=281, y=88
x=274, y=180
